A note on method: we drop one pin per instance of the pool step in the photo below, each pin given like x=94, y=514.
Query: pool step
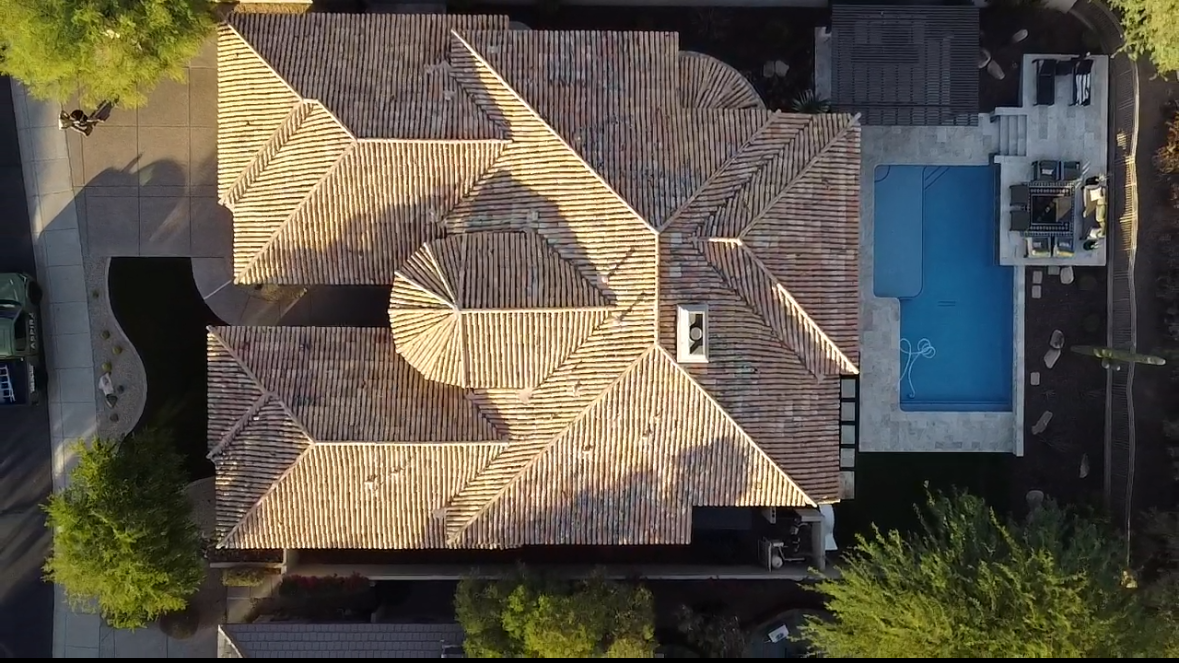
x=1013, y=135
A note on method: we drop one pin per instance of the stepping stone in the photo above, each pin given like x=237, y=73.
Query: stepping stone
x=1084, y=465
x=1051, y=357
x=1042, y=423
x=1035, y=292
x=1035, y=378
x=1053, y=270
x=1057, y=340
x=1037, y=276
x=1066, y=275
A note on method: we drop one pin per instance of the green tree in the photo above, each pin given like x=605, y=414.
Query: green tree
x=527, y=616
x=1151, y=30
x=124, y=541
x=968, y=585
x=100, y=49
x=1161, y=575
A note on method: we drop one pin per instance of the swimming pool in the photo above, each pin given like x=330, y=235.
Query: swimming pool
x=935, y=251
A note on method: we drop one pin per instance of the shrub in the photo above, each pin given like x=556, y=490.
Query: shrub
x=124, y=541
x=529, y=616
x=243, y=576
x=309, y=586
x=181, y=624
x=711, y=634
x=1171, y=429
x=969, y=584
x=1166, y=159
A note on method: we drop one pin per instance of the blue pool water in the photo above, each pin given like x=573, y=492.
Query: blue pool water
x=935, y=251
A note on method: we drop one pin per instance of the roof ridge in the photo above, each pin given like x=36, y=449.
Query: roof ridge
x=235, y=356
x=466, y=443
x=552, y=132
x=718, y=172
x=264, y=61
x=421, y=286
x=262, y=158
x=433, y=141
x=802, y=172
x=544, y=445
x=253, y=376
x=311, y=444
x=799, y=313
x=265, y=248
x=725, y=413
x=238, y=425
x=441, y=273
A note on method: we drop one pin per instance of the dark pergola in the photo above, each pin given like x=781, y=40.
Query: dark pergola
x=906, y=65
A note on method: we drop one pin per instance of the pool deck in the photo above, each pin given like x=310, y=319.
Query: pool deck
x=1013, y=138
x=883, y=425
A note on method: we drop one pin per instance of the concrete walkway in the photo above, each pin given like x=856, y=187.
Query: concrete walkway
x=126, y=201
x=58, y=247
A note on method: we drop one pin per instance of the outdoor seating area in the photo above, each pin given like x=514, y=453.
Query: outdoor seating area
x=1048, y=211
x=1051, y=155
x=1080, y=72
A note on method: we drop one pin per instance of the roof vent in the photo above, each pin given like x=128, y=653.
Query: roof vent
x=691, y=334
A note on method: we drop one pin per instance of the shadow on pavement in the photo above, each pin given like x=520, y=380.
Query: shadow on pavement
x=26, y=601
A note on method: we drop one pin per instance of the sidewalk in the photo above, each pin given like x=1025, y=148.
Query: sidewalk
x=57, y=179
x=58, y=247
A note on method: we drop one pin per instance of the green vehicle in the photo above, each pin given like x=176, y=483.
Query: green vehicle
x=22, y=371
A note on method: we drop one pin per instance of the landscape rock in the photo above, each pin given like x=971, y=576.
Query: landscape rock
x=1041, y=424
x=774, y=68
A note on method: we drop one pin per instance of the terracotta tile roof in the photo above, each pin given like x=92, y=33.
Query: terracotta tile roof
x=541, y=203
x=706, y=82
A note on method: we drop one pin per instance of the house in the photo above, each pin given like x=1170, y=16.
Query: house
x=620, y=288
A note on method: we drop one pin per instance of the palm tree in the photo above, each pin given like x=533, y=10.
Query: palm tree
x=810, y=102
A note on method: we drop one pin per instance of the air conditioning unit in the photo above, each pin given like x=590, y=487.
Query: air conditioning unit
x=692, y=333
x=773, y=554
x=770, y=513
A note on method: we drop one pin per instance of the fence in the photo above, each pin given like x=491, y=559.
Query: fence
x=1123, y=185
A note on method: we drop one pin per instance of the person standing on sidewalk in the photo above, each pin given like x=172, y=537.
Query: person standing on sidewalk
x=78, y=121
x=84, y=124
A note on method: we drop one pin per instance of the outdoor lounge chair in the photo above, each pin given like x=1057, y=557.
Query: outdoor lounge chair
x=1021, y=196
x=1070, y=171
x=1045, y=82
x=1021, y=220
x=1063, y=247
x=1046, y=170
x=1039, y=247
x=1082, y=82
